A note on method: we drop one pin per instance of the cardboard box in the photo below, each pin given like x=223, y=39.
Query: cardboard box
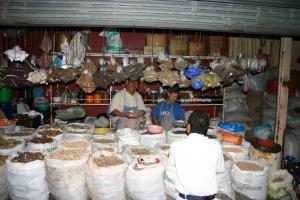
x=149, y=50
x=216, y=44
x=156, y=40
x=178, y=46
x=197, y=48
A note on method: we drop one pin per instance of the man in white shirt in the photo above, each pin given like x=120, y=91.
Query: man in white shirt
x=128, y=105
x=196, y=160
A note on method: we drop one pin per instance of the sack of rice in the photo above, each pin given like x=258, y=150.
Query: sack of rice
x=144, y=179
x=176, y=134
x=11, y=146
x=75, y=144
x=106, y=145
x=237, y=152
x=224, y=178
x=249, y=180
x=66, y=174
x=281, y=186
x=41, y=144
x=26, y=176
x=3, y=180
x=152, y=140
x=106, y=177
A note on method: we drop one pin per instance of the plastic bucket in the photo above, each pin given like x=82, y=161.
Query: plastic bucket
x=5, y=94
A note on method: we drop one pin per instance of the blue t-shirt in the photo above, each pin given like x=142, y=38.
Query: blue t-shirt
x=177, y=111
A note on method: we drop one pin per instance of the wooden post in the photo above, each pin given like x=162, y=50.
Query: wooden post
x=283, y=90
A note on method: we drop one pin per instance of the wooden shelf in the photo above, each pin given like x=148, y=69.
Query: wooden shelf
x=149, y=56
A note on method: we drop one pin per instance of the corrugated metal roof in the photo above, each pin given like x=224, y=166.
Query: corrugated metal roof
x=256, y=16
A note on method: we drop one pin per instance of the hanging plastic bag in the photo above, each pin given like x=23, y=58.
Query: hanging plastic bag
x=76, y=52
x=114, y=42
x=192, y=71
x=196, y=83
x=16, y=54
x=46, y=44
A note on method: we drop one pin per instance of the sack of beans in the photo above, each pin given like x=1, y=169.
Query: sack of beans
x=130, y=153
x=145, y=179
x=224, y=178
x=66, y=174
x=125, y=137
x=51, y=133
x=249, y=179
x=105, y=177
x=11, y=146
x=105, y=144
x=75, y=144
x=3, y=180
x=26, y=176
x=42, y=144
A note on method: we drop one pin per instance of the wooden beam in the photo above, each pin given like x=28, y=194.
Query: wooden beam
x=283, y=90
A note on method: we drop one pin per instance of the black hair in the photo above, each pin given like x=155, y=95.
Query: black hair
x=174, y=89
x=199, y=122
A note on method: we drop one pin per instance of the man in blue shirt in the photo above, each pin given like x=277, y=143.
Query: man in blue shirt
x=165, y=113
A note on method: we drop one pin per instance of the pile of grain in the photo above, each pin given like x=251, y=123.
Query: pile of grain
x=108, y=161
x=246, y=166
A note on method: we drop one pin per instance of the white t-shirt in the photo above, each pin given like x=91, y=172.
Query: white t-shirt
x=123, y=98
x=196, y=159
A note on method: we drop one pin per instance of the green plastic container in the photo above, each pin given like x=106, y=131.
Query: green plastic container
x=5, y=94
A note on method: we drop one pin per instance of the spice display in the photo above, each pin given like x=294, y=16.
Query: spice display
x=168, y=78
x=8, y=143
x=2, y=159
x=75, y=144
x=20, y=134
x=140, y=151
x=66, y=155
x=25, y=157
x=50, y=133
x=107, y=161
x=104, y=141
x=245, y=166
x=41, y=140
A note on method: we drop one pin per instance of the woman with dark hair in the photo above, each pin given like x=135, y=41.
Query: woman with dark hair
x=165, y=113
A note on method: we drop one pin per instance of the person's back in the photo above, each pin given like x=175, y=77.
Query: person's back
x=196, y=159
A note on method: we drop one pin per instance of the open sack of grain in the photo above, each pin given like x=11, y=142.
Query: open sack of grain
x=42, y=144
x=66, y=174
x=130, y=153
x=3, y=179
x=249, y=179
x=26, y=176
x=146, y=182
x=106, y=177
x=237, y=152
x=176, y=134
x=11, y=146
x=127, y=137
x=51, y=133
x=75, y=144
x=105, y=144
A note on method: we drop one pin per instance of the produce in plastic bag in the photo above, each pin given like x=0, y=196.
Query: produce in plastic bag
x=166, y=65
x=103, y=78
x=46, y=44
x=114, y=42
x=106, y=177
x=66, y=174
x=119, y=75
x=210, y=80
x=76, y=52
x=150, y=75
x=90, y=67
x=16, y=54
x=196, y=83
x=184, y=82
x=86, y=83
x=168, y=78
x=37, y=77
x=26, y=176
x=180, y=63
x=69, y=74
x=134, y=71
x=192, y=71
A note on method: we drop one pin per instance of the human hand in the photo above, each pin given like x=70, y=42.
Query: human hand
x=130, y=115
x=140, y=113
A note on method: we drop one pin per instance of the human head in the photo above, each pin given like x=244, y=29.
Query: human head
x=198, y=122
x=131, y=86
x=172, y=94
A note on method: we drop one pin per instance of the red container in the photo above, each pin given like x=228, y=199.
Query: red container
x=89, y=98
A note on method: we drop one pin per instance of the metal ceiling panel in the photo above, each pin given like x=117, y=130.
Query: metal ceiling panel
x=249, y=16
